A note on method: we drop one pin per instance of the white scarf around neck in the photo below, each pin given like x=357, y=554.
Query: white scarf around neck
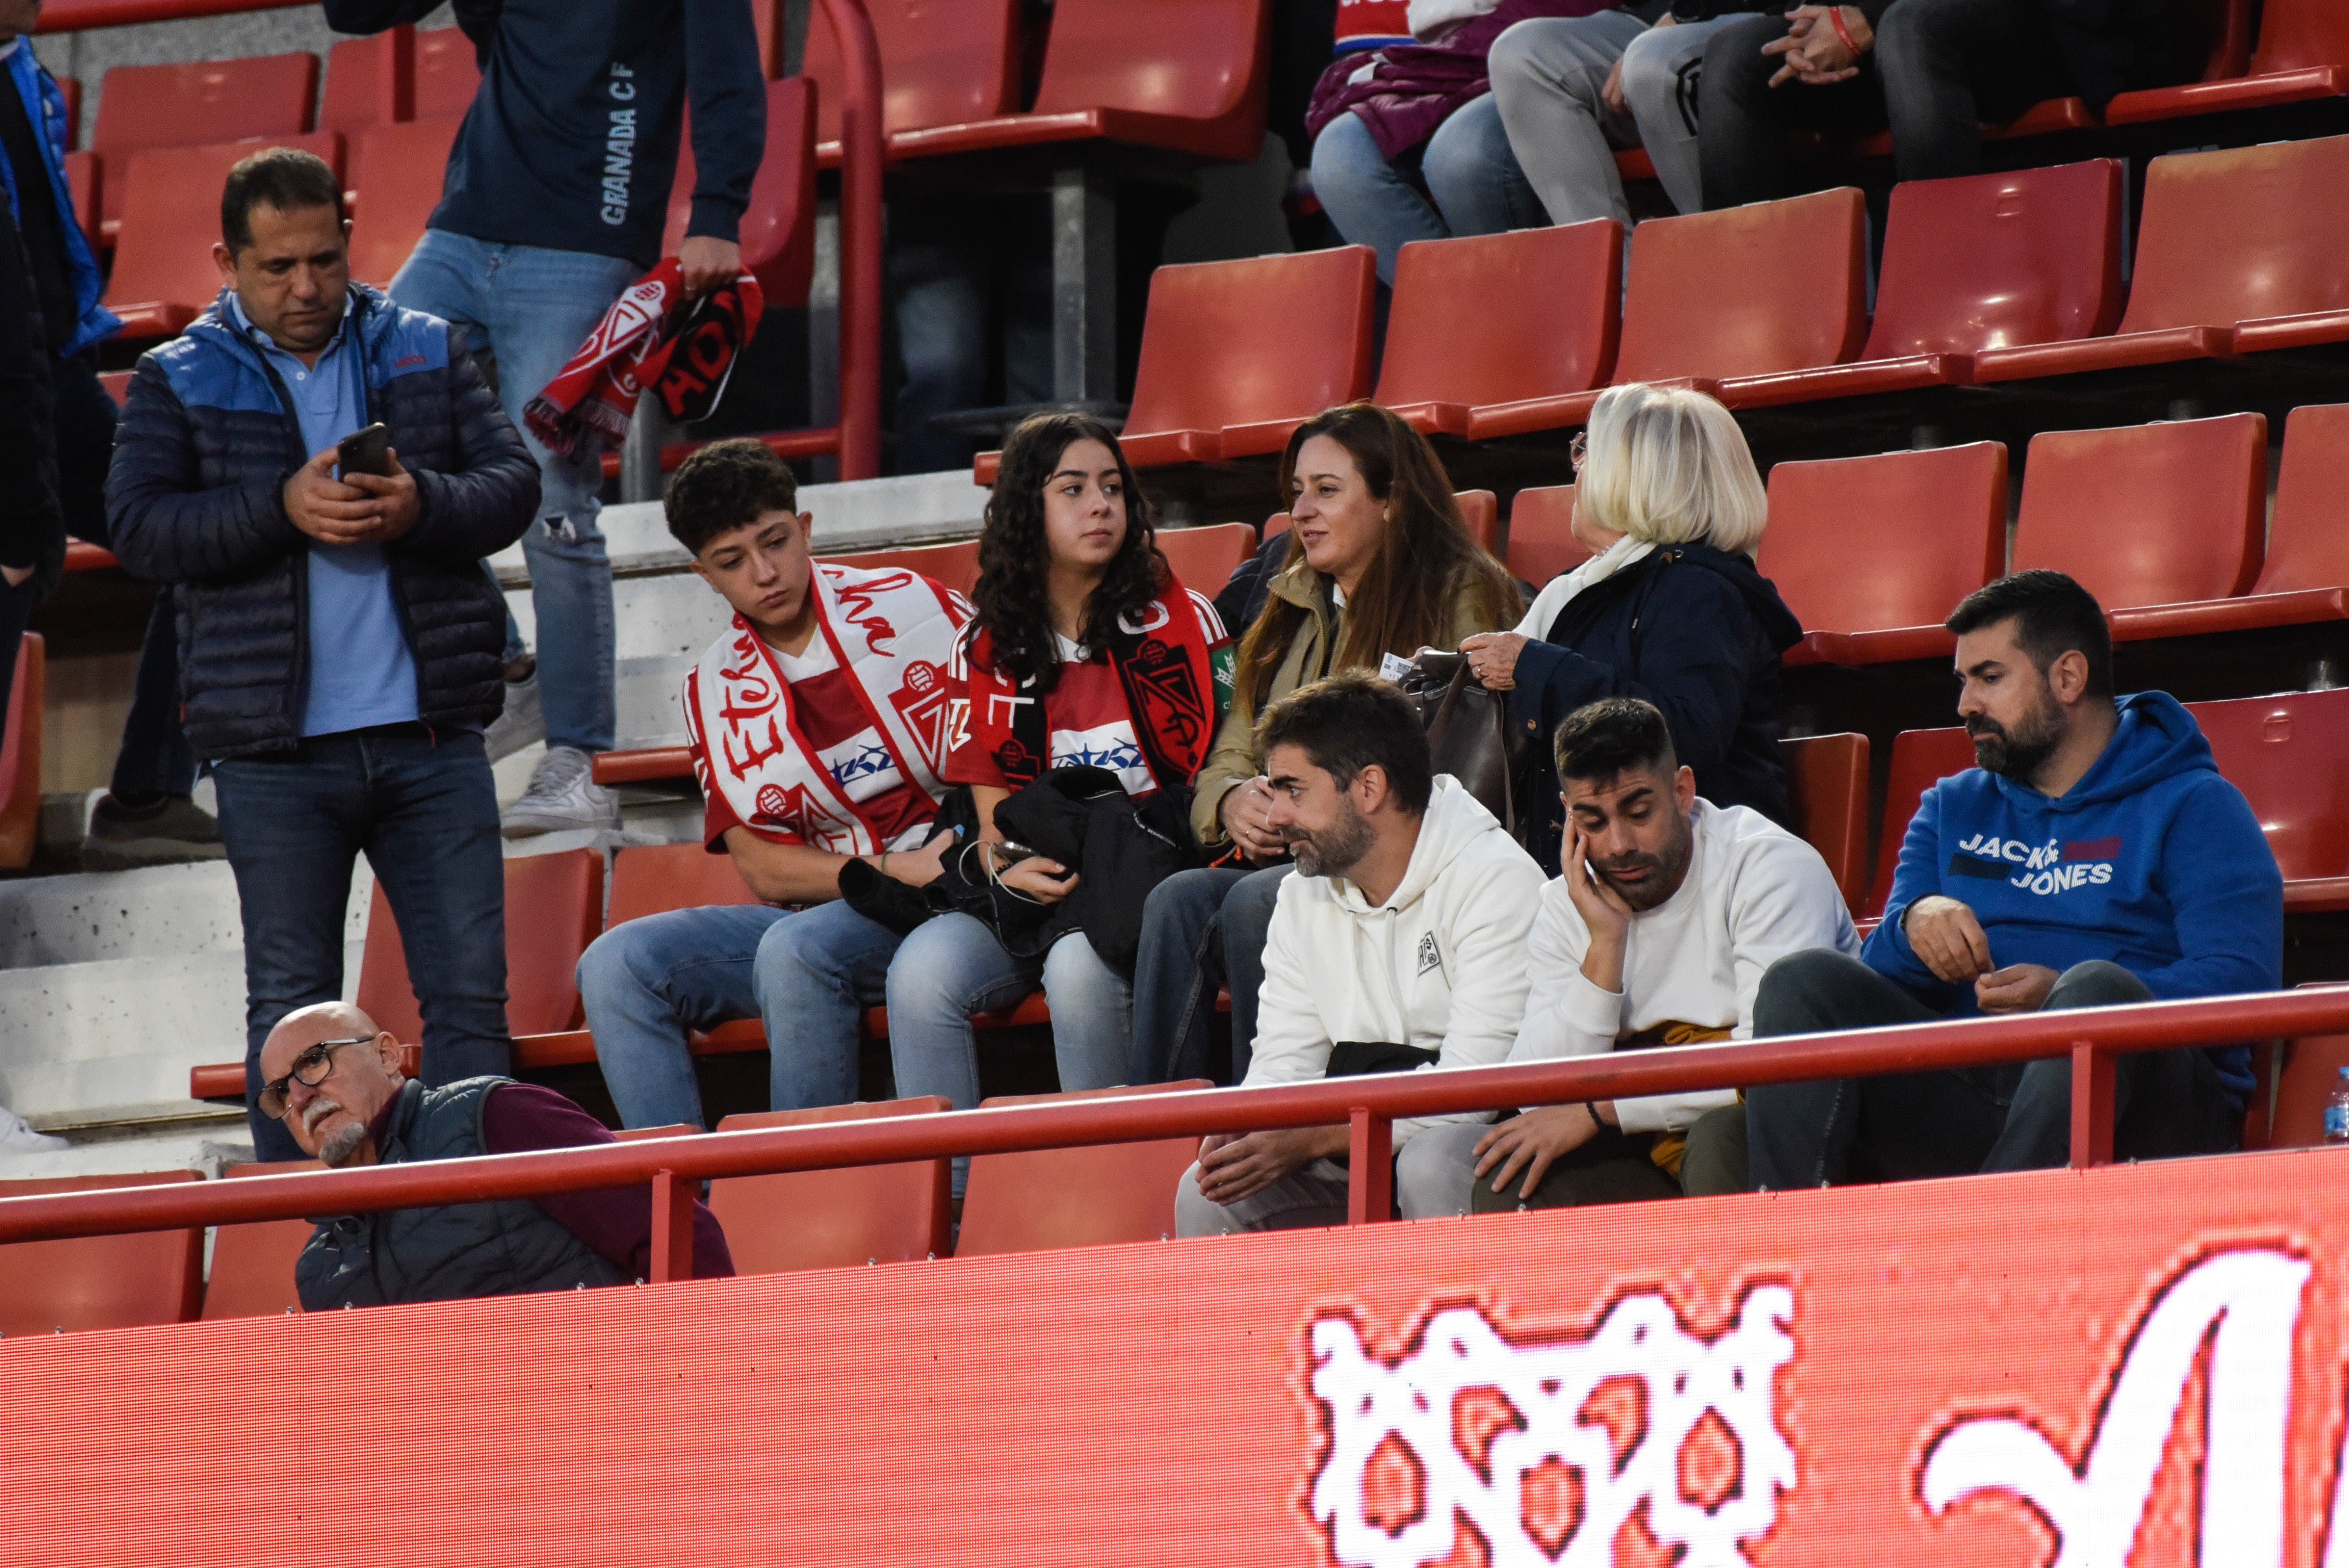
x=1561, y=589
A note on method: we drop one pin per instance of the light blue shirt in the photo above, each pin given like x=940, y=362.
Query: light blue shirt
x=361, y=671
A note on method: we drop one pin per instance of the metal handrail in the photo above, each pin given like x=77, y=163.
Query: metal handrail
x=674, y=1166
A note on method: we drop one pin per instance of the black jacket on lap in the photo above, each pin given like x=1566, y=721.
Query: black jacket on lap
x=196, y=498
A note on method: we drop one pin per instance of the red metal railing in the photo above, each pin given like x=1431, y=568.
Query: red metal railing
x=1368, y=1105
x=857, y=438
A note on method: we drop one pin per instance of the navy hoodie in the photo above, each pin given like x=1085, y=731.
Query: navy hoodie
x=2152, y=861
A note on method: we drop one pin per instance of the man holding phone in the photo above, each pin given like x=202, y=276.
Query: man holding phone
x=342, y=651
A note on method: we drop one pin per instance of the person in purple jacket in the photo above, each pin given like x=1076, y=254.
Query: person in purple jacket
x=2095, y=858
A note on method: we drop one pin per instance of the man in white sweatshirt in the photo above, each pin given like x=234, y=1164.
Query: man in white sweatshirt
x=1398, y=944
x=1657, y=935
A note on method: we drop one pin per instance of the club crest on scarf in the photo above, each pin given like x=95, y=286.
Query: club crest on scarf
x=652, y=336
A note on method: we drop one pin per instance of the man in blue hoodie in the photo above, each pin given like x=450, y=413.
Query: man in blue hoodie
x=2096, y=857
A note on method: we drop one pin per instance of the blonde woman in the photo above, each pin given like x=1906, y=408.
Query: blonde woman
x=1668, y=608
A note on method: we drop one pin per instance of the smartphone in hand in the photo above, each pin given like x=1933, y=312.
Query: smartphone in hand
x=367, y=451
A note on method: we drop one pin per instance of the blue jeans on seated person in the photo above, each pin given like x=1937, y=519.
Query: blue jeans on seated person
x=807, y=976
x=1470, y=171
x=424, y=810
x=1959, y=1121
x=1199, y=929
x=529, y=309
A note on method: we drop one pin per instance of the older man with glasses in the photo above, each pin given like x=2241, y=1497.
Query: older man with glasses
x=334, y=1079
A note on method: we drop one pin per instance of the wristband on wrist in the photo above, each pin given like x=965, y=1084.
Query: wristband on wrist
x=1835, y=17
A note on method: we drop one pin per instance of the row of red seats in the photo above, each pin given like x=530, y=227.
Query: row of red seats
x=1986, y=279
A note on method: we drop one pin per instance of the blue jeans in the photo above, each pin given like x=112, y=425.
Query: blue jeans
x=424, y=810
x=1199, y=928
x=806, y=975
x=1470, y=171
x=530, y=308
x=959, y=269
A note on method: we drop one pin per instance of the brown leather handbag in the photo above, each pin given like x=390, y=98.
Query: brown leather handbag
x=1468, y=732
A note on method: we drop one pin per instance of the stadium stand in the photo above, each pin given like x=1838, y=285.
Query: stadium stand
x=143, y=106
x=1826, y=794
x=101, y=1282
x=2303, y=53
x=395, y=171
x=1541, y=539
x=443, y=78
x=252, y=1272
x=556, y=905
x=162, y=280
x=837, y=1218
x=1089, y=1196
x=940, y=65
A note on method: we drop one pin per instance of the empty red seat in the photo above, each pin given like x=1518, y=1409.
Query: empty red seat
x=1204, y=559
x=2149, y=514
x=940, y=65
x=2290, y=757
x=652, y=879
x=2303, y=53
x=20, y=755
x=83, y=176
x=1541, y=539
x=954, y=566
x=1500, y=318
x=1186, y=76
x=1826, y=795
x=443, y=86
x=554, y=907
x=198, y=103
x=397, y=172
x=778, y=228
x=1752, y=291
x=101, y=1282
x=253, y=1264
x=1873, y=554
x=1089, y=1197
x=2033, y=255
x=1920, y=759
x=2240, y=250
x=841, y=1218
x=163, y=273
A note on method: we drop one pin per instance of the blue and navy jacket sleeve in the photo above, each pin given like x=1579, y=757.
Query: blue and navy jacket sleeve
x=166, y=525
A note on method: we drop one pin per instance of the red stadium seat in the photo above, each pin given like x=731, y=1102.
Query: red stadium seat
x=2290, y=757
x=954, y=566
x=1541, y=539
x=1043, y=1198
x=253, y=1264
x=1204, y=559
x=397, y=170
x=652, y=879
x=101, y=1282
x=1826, y=791
x=2303, y=53
x=1921, y=759
x=1187, y=76
x=445, y=80
x=1986, y=261
x=84, y=174
x=2149, y=514
x=1752, y=291
x=841, y=1218
x=2239, y=251
x=940, y=65
x=554, y=906
x=163, y=273
x=1871, y=553
x=198, y=104
x=69, y=89
x=20, y=755
x=1481, y=510
x=1237, y=355
x=1500, y=318
x=778, y=229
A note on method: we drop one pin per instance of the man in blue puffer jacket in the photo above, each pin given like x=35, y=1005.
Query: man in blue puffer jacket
x=2095, y=858
x=342, y=650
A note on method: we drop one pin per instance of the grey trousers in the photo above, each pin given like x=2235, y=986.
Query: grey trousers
x=1431, y=1180
x=1548, y=74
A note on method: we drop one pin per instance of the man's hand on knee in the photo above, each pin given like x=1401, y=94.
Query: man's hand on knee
x=1947, y=939
x=2017, y=988
x=1233, y=1167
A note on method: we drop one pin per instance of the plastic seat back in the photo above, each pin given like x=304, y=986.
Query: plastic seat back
x=253, y=1264
x=1994, y=261
x=2297, y=34
x=943, y=62
x=1776, y=286
x=2212, y=38
x=1481, y=510
x=2149, y=514
x=1255, y=340
x=2308, y=537
x=2290, y=757
x=101, y=1282
x=840, y=1218
x=169, y=194
x=1497, y=318
x=445, y=81
x=1043, y=1198
x=1541, y=539
x=1827, y=790
x=652, y=879
x=397, y=172
x=554, y=907
x=1204, y=559
x=2240, y=235
x=1200, y=60
x=1863, y=545
x=954, y=566
x=20, y=754
x=200, y=103
x=778, y=229
x=1921, y=759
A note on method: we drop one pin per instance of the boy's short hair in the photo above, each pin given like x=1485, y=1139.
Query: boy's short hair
x=1350, y=722
x=725, y=486
x=1613, y=736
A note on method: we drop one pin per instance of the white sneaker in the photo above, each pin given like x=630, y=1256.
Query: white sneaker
x=521, y=722
x=18, y=1137
x=561, y=795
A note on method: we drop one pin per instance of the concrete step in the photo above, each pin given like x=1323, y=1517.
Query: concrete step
x=207, y=1141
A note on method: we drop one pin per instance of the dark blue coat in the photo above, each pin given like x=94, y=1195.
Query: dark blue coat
x=196, y=496
x=44, y=106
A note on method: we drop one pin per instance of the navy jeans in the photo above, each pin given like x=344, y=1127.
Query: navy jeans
x=1199, y=929
x=424, y=810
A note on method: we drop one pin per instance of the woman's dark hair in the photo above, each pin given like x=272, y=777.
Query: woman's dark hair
x=1404, y=601
x=1011, y=600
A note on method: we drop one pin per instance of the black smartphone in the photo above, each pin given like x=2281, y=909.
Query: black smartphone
x=367, y=451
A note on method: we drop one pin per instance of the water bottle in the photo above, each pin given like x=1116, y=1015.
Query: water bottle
x=2336, y=1111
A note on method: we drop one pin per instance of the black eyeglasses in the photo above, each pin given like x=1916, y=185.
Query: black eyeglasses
x=1578, y=449
x=310, y=1070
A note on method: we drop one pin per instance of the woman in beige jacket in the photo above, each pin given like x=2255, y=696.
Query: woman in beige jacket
x=1380, y=563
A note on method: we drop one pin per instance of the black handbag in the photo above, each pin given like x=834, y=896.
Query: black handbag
x=1468, y=732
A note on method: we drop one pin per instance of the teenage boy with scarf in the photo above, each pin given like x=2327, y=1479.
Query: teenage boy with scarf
x=818, y=725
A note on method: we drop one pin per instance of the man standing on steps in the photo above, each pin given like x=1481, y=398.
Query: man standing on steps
x=342, y=645
x=557, y=190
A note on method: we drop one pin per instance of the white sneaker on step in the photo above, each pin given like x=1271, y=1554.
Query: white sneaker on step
x=562, y=796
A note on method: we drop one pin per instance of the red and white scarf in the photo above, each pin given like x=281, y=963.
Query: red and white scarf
x=589, y=403
x=894, y=632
